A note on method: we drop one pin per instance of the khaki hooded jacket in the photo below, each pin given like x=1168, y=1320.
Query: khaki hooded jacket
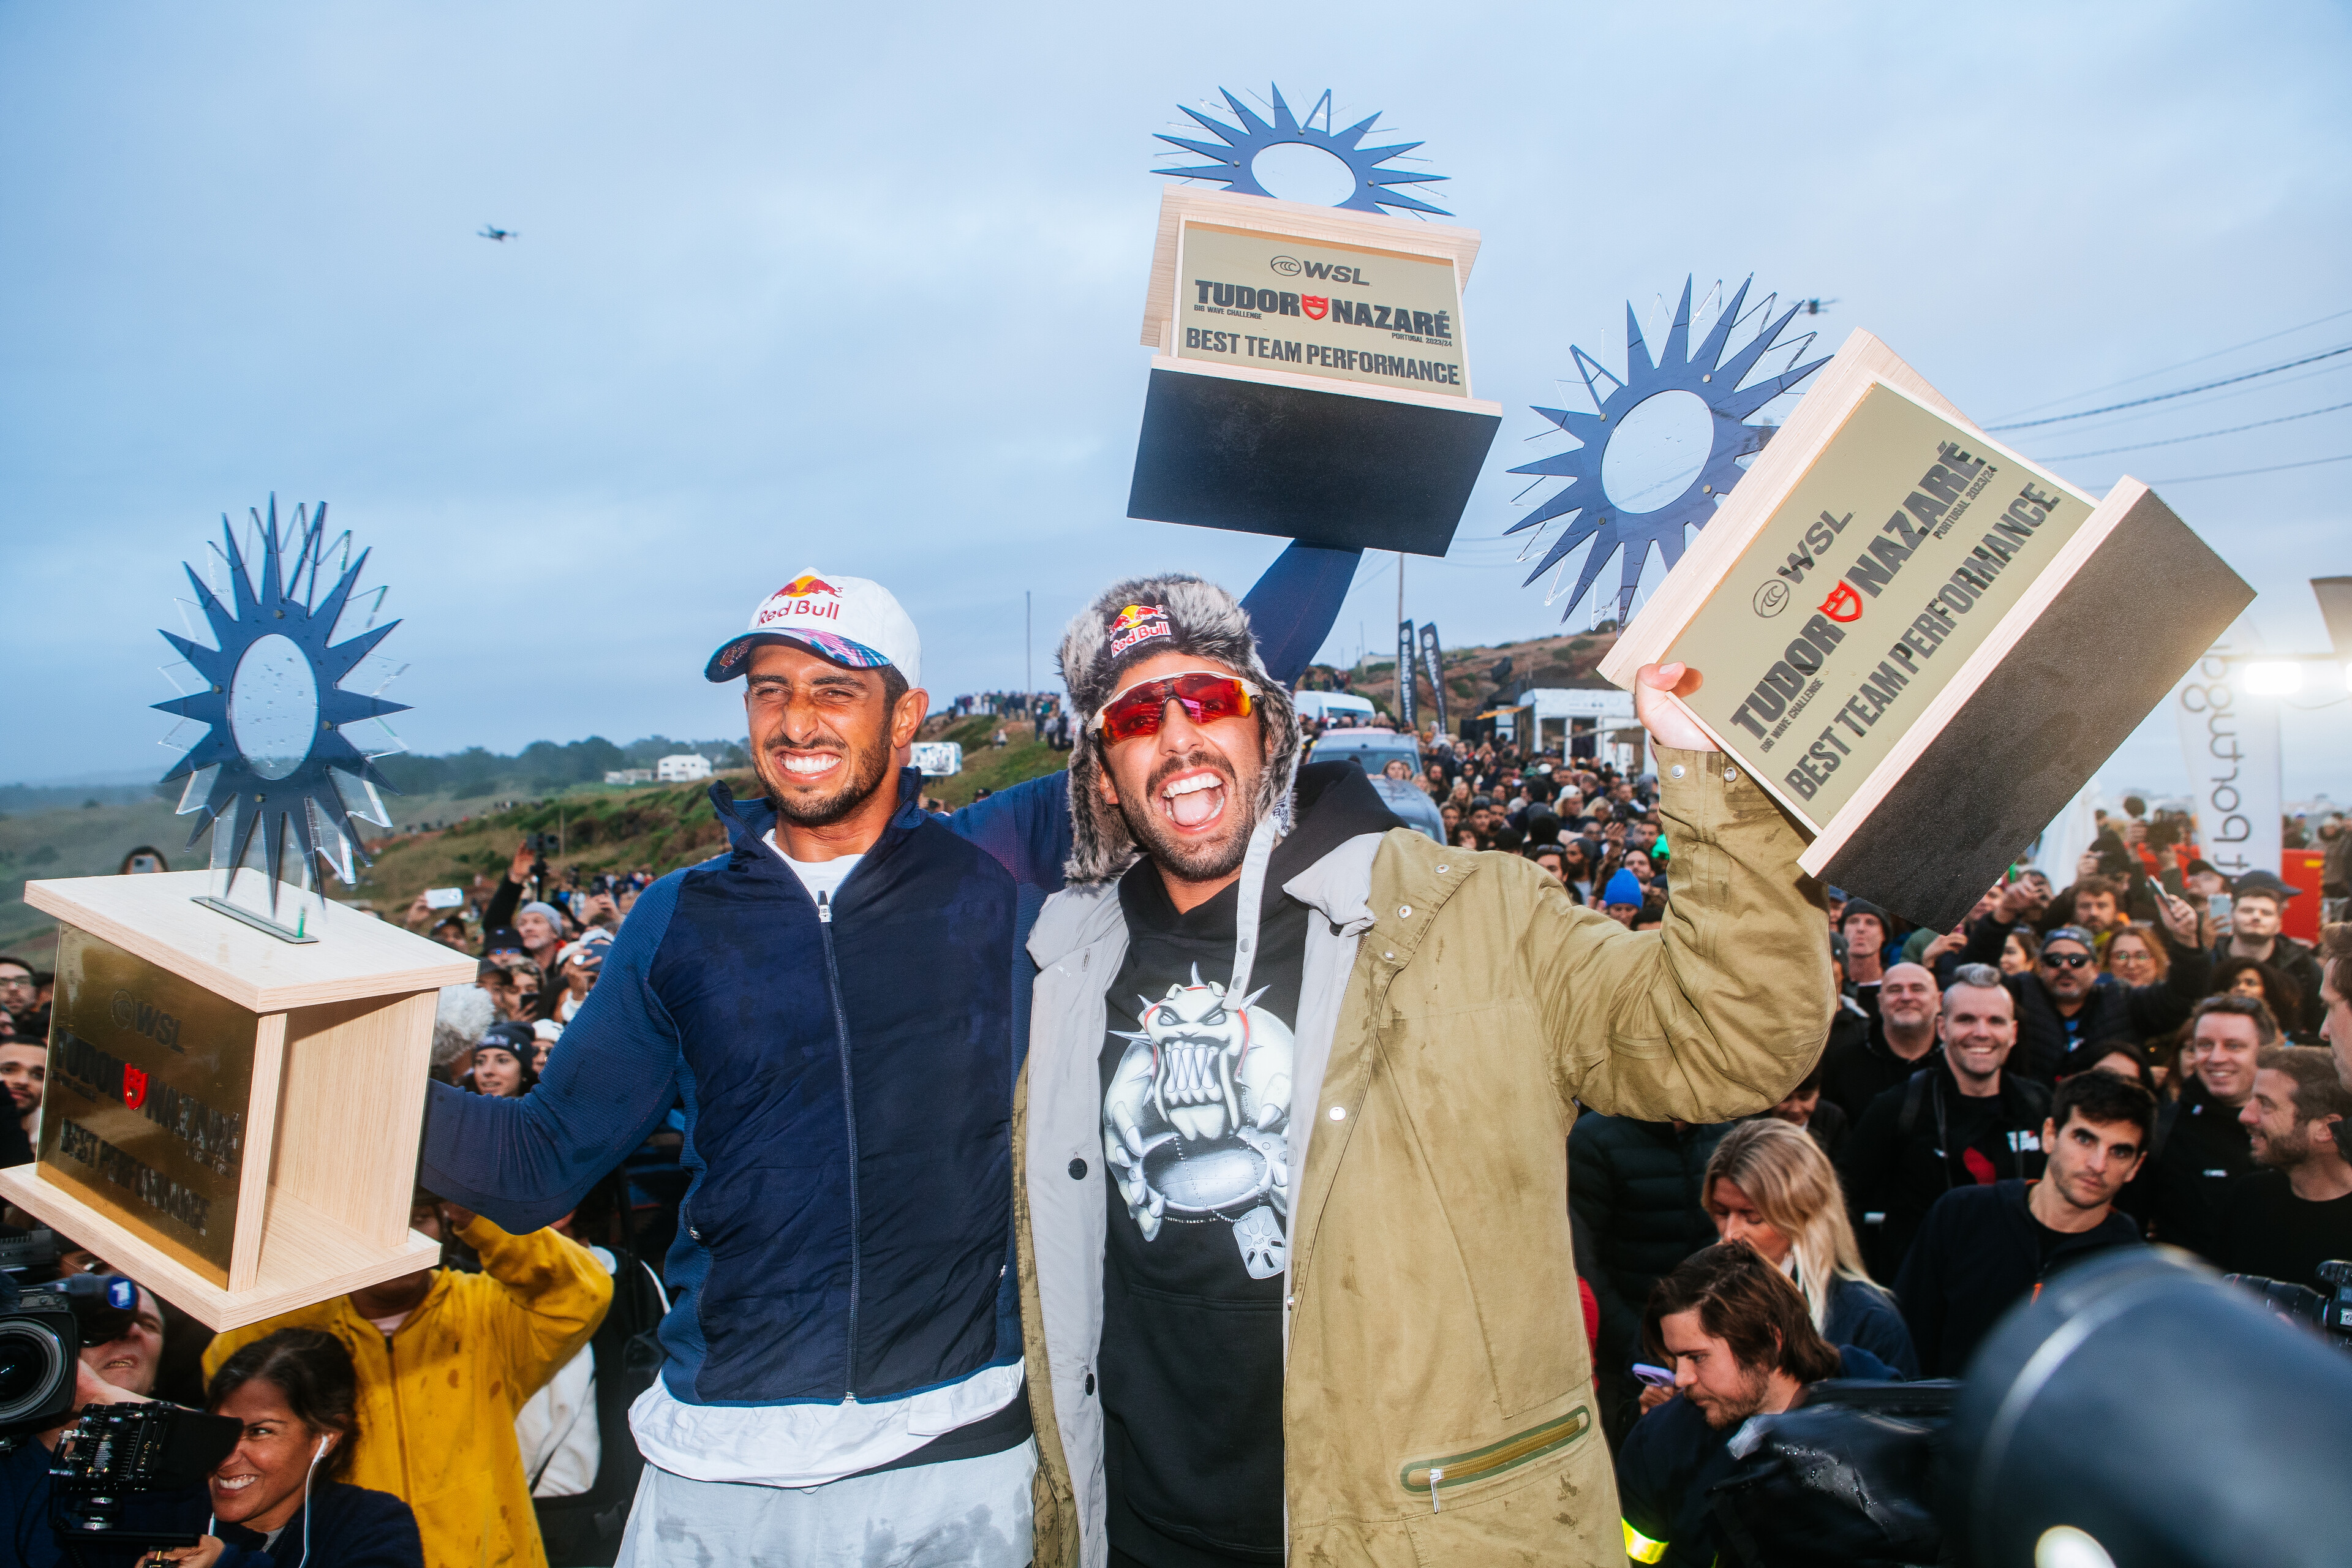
x=1454, y=1010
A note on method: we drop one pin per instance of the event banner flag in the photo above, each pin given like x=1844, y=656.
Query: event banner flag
x=1407, y=718
x=2229, y=742
x=1432, y=664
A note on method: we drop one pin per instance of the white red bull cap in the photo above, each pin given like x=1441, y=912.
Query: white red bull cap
x=851, y=621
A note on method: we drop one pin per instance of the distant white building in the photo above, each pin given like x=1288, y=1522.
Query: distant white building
x=680, y=769
x=630, y=776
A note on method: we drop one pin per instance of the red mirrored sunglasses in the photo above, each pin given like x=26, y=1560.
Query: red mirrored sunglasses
x=1137, y=711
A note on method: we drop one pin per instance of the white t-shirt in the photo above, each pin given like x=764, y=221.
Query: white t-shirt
x=823, y=879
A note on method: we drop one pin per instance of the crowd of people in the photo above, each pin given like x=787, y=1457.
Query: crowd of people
x=751, y=1250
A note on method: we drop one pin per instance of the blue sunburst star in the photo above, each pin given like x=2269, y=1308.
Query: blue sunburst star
x=1714, y=381
x=1231, y=163
x=273, y=685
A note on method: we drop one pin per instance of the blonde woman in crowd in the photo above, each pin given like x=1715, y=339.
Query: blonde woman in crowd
x=1770, y=1185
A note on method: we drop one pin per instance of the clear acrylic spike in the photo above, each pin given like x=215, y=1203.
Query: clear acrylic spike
x=199, y=790
x=360, y=799
x=334, y=848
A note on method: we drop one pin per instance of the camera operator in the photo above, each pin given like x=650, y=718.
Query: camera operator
x=279, y=1497
x=1982, y=1248
x=117, y=1369
x=1741, y=1341
x=2284, y=1221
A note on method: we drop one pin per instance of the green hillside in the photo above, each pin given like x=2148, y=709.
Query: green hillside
x=440, y=840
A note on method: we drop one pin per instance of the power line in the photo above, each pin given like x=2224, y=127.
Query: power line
x=2182, y=364
x=2200, y=436
x=2242, y=473
x=2182, y=392
x=2335, y=367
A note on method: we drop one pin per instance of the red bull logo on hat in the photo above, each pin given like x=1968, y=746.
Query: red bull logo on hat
x=806, y=584
x=1135, y=624
x=806, y=597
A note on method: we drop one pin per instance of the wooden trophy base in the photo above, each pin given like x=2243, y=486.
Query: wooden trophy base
x=231, y=1117
x=306, y=1255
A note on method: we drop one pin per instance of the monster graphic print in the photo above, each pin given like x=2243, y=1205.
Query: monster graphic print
x=1197, y=1116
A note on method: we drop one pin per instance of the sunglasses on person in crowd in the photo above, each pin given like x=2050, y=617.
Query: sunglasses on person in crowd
x=2066, y=960
x=1138, y=710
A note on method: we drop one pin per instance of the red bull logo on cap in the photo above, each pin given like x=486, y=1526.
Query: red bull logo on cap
x=807, y=597
x=1135, y=624
x=806, y=584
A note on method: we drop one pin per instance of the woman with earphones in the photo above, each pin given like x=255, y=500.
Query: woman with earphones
x=275, y=1500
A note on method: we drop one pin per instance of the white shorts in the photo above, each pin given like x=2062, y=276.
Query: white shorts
x=963, y=1513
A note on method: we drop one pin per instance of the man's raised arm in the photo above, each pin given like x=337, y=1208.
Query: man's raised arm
x=1723, y=1011
x=527, y=1162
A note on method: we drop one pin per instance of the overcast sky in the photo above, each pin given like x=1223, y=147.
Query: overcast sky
x=857, y=287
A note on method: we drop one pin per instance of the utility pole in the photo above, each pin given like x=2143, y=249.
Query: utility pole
x=1404, y=668
x=1028, y=645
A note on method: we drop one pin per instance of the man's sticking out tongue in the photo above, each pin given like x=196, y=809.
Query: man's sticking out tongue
x=1195, y=799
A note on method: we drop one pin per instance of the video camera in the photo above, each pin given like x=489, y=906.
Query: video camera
x=43, y=1328
x=2329, y=1311
x=2137, y=1411
x=114, y=1457
x=118, y=1462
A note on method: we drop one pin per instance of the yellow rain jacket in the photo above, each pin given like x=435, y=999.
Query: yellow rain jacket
x=438, y=1396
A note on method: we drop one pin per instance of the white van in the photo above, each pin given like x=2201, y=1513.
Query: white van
x=1333, y=706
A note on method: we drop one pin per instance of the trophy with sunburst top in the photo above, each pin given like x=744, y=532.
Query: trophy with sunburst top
x=1309, y=376
x=237, y=1063
x=1904, y=629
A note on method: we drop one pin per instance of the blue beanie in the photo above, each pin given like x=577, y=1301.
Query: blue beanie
x=1623, y=887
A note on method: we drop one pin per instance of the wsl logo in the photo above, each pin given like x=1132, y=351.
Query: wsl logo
x=806, y=597
x=146, y=1018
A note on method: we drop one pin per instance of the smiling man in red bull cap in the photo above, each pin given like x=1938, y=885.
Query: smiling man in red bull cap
x=838, y=1007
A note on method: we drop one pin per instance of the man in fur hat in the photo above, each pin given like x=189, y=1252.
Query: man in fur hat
x=1291, y=1135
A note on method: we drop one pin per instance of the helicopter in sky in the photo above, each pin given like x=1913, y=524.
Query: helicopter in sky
x=1815, y=307
x=492, y=231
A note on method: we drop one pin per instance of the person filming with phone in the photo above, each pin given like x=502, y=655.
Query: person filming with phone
x=2061, y=1003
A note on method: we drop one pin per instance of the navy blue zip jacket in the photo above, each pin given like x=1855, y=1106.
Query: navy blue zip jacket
x=847, y=1077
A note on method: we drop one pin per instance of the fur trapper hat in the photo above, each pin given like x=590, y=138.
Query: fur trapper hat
x=1131, y=621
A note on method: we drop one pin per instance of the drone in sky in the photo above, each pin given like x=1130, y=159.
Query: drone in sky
x=492, y=231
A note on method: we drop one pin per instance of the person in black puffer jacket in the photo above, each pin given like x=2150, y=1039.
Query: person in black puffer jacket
x=1636, y=1204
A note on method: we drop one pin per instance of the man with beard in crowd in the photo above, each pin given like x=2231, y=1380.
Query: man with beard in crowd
x=841, y=1001
x=24, y=1074
x=1293, y=1126
x=2287, y=1218
x=2060, y=1003
x=1898, y=1043
x=1734, y=1332
x=2258, y=904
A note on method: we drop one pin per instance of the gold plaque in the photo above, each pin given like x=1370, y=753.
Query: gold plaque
x=150, y=1079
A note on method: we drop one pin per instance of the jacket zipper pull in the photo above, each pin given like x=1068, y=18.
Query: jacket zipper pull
x=824, y=910
x=1435, y=1476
